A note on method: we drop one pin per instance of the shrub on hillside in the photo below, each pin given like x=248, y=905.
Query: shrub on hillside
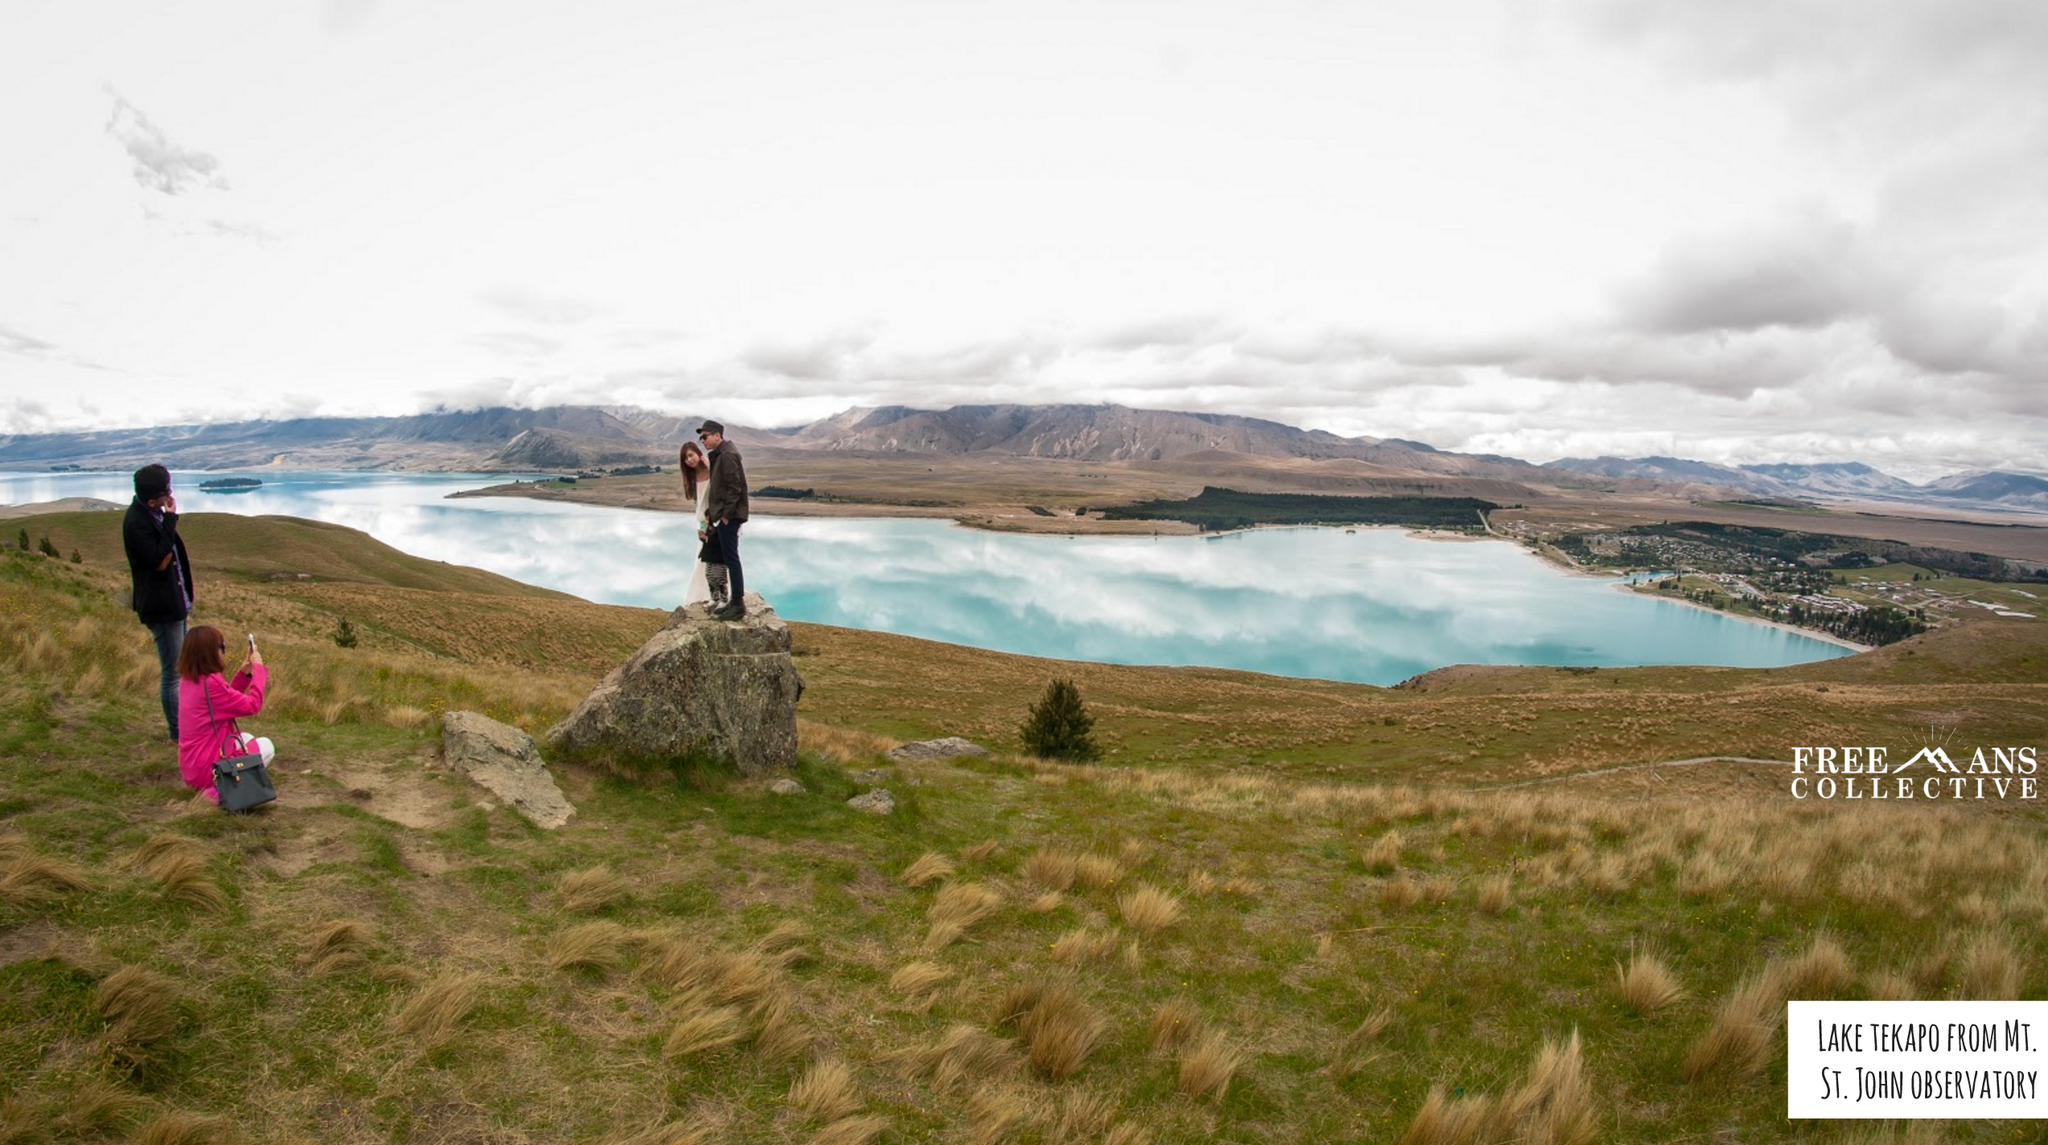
x=345, y=634
x=1059, y=726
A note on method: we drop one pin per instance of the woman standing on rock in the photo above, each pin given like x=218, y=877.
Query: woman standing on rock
x=695, y=473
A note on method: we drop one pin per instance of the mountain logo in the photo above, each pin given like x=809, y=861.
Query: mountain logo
x=1934, y=757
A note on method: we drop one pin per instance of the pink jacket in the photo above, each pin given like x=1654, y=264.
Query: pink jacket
x=200, y=738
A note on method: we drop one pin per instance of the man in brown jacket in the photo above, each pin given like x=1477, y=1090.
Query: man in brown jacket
x=725, y=510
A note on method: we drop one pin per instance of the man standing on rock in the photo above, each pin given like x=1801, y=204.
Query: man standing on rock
x=161, y=574
x=725, y=510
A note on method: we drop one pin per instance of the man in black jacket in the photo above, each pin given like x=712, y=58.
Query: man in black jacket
x=725, y=510
x=161, y=573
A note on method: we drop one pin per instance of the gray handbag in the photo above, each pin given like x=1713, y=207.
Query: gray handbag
x=242, y=781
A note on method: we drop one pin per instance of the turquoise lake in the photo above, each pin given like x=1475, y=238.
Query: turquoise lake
x=1374, y=606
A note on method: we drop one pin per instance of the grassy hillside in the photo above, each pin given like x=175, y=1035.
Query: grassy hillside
x=1280, y=911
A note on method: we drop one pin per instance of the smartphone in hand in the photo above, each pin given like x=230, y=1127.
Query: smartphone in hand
x=252, y=644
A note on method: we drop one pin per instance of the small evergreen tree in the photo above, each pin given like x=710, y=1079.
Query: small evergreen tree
x=76, y=559
x=47, y=549
x=22, y=540
x=1059, y=726
x=345, y=634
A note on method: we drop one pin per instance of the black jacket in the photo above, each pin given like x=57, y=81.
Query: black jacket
x=157, y=599
x=725, y=494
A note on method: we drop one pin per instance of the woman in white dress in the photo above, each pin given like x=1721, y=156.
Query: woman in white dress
x=695, y=472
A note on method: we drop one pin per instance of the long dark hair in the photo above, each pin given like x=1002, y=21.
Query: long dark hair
x=204, y=653
x=689, y=474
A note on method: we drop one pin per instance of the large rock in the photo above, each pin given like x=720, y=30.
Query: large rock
x=948, y=748
x=504, y=761
x=724, y=690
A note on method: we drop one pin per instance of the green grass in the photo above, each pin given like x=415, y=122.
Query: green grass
x=1254, y=800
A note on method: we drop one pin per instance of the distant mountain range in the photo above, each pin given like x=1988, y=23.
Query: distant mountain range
x=583, y=437
x=1835, y=480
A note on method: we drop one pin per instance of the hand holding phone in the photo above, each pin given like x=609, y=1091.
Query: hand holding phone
x=255, y=657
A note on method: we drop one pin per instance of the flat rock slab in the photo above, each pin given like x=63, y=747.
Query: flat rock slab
x=876, y=802
x=948, y=748
x=504, y=761
x=786, y=787
x=725, y=690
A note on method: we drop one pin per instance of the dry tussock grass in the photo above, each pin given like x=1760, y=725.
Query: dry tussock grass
x=857, y=1130
x=1992, y=968
x=598, y=945
x=1082, y=1115
x=32, y=880
x=702, y=1027
x=1354, y=1053
x=826, y=1091
x=1738, y=1042
x=783, y=945
x=1147, y=909
x=1199, y=882
x=929, y=867
x=141, y=1009
x=919, y=983
x=335, y=947
x=1646, y=984
x=1047, y=903
x=963, y=1053
x=1496, y=893
x=1822, y=970
x=673, y=1133
x=1053, y=870
x=1552, y=1106
x=981, y=852
x=1916, y=1132
x=1207, y=1067
x=1176, y=1023
x=996, y=1113
x=589, y=891
x=437, y=1010
x=722, y=977
x=1097, y=872
x=182, y=877
x=1384, y=856
x=1891, y=986
x=177, y=1128
x=160, y=846
x=1080, y=946
x=954, y=909
x=1059, y=1031
x=779, y=1036
x=1400, y=893
x=844, y=745
x=98, y=1107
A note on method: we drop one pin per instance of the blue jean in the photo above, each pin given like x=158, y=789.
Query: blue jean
x=170, y=640
x=725, y=542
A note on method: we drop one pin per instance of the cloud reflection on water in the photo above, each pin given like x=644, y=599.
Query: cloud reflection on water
x=1375, y=605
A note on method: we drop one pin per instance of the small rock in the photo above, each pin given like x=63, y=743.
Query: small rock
x=504, y=761
x=876, y=802
x=871, y=775
x=786, y=787
x=947, y=748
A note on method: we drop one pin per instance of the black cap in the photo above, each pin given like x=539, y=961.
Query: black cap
x=711, y=427
x=151, y=482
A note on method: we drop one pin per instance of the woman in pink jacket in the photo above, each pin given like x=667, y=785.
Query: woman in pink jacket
x=209, y=704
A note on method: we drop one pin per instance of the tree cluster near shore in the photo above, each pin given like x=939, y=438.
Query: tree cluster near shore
x=1217, y=510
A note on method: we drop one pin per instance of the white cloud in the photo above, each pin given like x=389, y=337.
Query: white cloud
x=160, y=165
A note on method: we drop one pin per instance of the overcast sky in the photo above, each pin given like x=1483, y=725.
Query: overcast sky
x=1738, y=230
